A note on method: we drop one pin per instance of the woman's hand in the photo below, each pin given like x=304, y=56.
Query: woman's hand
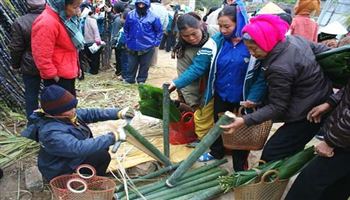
x=316, y=113
x=171, y=87
x=248, y=104
x=323, y=149
x=234, y=126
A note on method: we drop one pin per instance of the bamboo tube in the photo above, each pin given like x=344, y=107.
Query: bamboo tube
x=184, y=189
x=155, y=186
x=214, y=173
x=160, y=185
x=205, y=194
x=135, y=138
x=151, y=175
x=205, y=143
x=166, y=109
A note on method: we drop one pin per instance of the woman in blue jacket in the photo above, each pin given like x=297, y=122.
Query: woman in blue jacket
x=226, y=58
x=65, y=139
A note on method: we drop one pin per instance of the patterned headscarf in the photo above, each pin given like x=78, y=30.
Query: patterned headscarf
x=71, y=24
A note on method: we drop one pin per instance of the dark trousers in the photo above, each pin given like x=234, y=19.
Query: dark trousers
x=99, y=160
x=239, y=157
x=68, y=84
x=122, y=64
x=289, y=139
x=31, y=92
x=168, y=41
x=118, y=61
x=324, y=178
x=139, y=65
x=94, y=60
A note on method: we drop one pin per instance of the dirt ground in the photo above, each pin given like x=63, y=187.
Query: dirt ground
x=102, y=90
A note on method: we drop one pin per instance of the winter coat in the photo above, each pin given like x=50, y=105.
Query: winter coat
x=20, y=46
x=205, y=62
x=160, y=11
x=336, y=128
x=53, y=50
x=304, y=26
x=115, y=28
x=191, y=92
x=142, y=33
x=91, y=32
x=295, y=82
x=64, y=145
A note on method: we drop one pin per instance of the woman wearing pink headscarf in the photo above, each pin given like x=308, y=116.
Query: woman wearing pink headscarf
x=295, y=81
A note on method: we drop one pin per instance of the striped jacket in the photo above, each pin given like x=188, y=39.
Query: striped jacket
x=205, y=63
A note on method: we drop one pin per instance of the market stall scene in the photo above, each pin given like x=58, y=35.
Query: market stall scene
x=174, y=99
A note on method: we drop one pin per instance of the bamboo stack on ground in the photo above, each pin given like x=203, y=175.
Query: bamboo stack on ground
x=205, y=143
x=149, y=176
x=189, y=177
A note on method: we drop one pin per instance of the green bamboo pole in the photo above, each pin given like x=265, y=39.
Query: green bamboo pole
x=205, y=143
x=151, y=175
x=166, y=109
x=160, y=185
x=190, y=179
x=137, y=136
x=154, y=186
x=205, y=194
x=184, y=189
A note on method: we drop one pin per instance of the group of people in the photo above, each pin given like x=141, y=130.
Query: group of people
x=252, y=63
x=259, y=64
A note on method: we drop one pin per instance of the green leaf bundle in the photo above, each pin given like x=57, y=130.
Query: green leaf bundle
x=151, y=103
x=336, y=64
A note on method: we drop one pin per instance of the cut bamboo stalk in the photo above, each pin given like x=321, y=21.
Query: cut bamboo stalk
x=135, y=138
x=151, y=175
x=184, y=189
x=214, y=173
x=205, y=194
x=166, y=108
x=205, y=143
x=190, y=179
x=154, y=186
x=160, y=185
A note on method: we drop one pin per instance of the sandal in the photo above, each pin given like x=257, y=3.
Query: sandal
x=206, y=157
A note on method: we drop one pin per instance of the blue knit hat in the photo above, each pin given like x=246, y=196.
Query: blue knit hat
x=55, y=100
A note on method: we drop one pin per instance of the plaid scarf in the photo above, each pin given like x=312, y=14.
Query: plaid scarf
x=71, y=24
x=181, y=45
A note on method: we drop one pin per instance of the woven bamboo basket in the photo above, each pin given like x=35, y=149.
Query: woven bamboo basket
x=247, y=138
x=79, y=187
x=263, y=190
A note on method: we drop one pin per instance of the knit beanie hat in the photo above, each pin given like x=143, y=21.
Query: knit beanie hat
x=306, y=7
x=35, y=3
x=266, y=31
x=55, y=100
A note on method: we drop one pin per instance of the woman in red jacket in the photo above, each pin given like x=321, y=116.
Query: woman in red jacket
x=56, y=40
